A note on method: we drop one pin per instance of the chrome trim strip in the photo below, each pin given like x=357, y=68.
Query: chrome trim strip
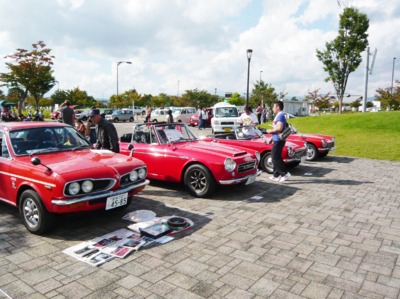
x=239, y=180
x=27, y=179
x=59, y=202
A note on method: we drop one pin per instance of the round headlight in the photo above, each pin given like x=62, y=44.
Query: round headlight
x=258, y=156
x=229, y=164
x=133, y=175
x=142, y=173
x=87, y=186
x=74, y=188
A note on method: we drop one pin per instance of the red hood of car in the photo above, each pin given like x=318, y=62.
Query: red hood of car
x=207, y=147
x=82, y=160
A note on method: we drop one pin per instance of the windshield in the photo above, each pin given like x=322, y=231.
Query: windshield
x=248, y=132
x=226, y=112
x=46, y=139
x=162, y=134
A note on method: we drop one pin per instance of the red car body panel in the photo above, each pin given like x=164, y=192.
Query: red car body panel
x=168, y=161
x=17, y=173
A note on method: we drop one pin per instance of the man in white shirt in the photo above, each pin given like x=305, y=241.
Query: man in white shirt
x=249, y=120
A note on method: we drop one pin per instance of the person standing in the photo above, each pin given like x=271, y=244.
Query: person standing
x=148, y=115
x=106, y=134
x=67, y=113
x=170, y=118
x=204, y=117
x=249, y=121
x=280, y=173
x=199, y=111
x=259, y=112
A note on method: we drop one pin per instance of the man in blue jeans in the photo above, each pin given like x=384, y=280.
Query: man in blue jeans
x=280, y=173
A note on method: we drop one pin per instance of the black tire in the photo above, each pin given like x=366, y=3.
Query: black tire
x=266, y=163
x=116, y=120
x=131, y=119
x=199, y=180
x=312, y=152
x=155, y=121
x=34, y=215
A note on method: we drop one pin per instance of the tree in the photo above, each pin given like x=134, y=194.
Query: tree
x=321, y=101
x=264, y=92
x=390, y=99
x=58, y=97
x=31, y=73
x=342, y=56
x=236, y=99
x=199, y=98
x=80, y=97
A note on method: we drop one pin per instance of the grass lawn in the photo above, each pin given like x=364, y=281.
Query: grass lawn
x=374, y=135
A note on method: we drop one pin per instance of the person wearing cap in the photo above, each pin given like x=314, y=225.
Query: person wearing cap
x=106, y=134
x=67, y=114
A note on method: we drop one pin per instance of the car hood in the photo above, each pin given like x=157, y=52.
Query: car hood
x=319, y=136
x=83, y=160
x=210, y=148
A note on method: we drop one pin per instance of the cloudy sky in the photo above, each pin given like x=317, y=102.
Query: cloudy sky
x=176, y=45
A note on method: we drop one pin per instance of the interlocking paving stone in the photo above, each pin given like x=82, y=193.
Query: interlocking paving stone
x=331, y=235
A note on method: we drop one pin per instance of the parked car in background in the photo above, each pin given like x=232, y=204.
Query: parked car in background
x=318, y=145
x=194, y=120
x=183, y=114
x=159, y=115
x=139, y=110
x=173, y=153
x=224, y=118
x=120, y=115
x=48, y=168
x=55, y=114
x=252, y=138
x=83, y=115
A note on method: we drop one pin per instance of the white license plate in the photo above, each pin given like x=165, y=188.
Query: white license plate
x=116, y=201
x=251, y=179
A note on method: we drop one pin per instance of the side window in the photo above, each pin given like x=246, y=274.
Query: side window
x=3, y=150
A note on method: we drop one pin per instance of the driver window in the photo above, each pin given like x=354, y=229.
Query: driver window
x=3, y=150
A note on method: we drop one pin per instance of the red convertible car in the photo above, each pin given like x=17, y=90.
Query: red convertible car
x=48, y=168
x=318, y=145
x=252, y=138
x=173, y=153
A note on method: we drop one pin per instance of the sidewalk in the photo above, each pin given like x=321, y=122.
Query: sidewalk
x=331, y=231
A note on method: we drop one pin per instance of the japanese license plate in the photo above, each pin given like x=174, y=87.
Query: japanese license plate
x=251, y=179
x=116, y=201
x=227, y=129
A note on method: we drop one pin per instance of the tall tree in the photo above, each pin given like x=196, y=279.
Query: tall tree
x=342, y=56
x=31, y=72
x=389, y=98
x=264, y=92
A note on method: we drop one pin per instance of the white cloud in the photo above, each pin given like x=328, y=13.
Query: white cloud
x=200, y=43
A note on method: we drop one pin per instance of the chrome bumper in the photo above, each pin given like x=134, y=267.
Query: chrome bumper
x=325, y=149
x=60, y=202
x=239, y=180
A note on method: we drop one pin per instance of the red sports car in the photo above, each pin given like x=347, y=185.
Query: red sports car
x=173, y=153
x=318, y=145
x=49, y=168
x=252, y=138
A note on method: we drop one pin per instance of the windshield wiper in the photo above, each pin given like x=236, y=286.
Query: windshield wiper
x=80, y=147
x=43, y=150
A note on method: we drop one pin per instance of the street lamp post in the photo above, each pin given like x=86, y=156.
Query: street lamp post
x=260, y=75
x=177, y=91
x=391, y=89
x=118, y=63
x=249, y=53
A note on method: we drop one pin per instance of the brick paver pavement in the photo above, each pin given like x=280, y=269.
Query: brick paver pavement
x=331, y=231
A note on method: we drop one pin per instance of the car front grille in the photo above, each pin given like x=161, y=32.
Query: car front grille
x=224, y=123
x=246, y=167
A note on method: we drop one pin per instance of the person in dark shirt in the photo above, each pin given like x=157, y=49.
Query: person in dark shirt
x=67, y=114
x=107, y=137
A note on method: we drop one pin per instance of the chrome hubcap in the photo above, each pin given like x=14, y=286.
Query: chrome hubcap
x=31, y=213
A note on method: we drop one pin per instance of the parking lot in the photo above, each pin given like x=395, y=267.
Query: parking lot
x=331, y=231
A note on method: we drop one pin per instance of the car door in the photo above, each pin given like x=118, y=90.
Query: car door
x=5, y=161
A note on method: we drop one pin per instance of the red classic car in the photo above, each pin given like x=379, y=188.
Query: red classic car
x=252, y=138
x=318, y=145
x=48, y=168
x=194, y=119
x=173, y=153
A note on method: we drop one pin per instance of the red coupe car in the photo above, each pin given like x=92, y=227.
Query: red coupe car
x=252, y=138
x=318, y=145
x=173, y=153
x=48, y=168
x=194, y=119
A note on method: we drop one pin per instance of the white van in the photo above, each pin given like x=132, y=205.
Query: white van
x=225, y=118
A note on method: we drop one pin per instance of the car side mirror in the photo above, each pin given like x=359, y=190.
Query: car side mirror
x=131, y=148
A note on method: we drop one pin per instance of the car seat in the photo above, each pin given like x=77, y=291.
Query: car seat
x=163, y=137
